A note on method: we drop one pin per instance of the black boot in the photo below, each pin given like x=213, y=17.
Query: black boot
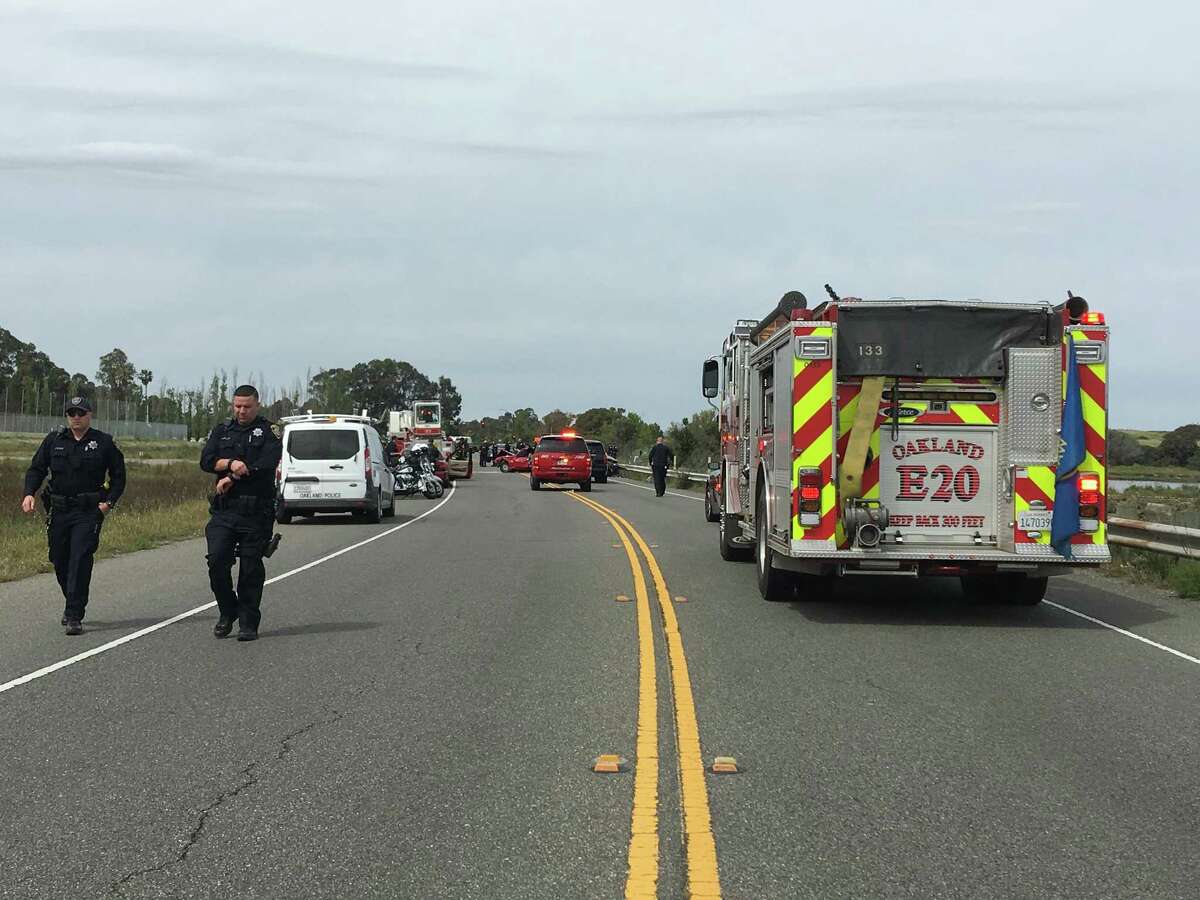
x=223, y=627
x=246, y=633
x=74, y=626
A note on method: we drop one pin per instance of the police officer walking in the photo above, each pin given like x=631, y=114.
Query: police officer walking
x=660, y=461
x=242, y=452
x=80, y=461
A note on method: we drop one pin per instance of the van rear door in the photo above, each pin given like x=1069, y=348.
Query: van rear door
x=324, y=463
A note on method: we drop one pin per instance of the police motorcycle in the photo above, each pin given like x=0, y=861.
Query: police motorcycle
x=414, y=472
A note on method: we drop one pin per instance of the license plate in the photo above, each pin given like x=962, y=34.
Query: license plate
x=1034, y=521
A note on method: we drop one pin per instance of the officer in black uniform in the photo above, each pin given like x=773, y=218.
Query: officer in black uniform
x=660, y=461
x=80, y=460
x=242, y=452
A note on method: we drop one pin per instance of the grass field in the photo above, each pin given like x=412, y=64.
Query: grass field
x=22, y=446
x=1145, y=438
x=162, y=503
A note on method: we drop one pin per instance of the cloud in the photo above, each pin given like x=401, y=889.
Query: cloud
x=170, y=160
x=177, y=47
x=915, y=104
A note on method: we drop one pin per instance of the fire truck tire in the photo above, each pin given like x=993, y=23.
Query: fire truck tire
x=1017, y=590
x=773, y=584
x=730, y=552
x=534, y=484
x=1022, y=590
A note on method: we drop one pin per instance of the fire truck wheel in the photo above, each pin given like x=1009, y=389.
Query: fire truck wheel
x=774, y=584
x=1018, y=590
x=730, y=552
x=1023, y=590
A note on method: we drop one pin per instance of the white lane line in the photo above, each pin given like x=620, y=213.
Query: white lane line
x=150, y=629
x=1136, y=637
x=641, y=487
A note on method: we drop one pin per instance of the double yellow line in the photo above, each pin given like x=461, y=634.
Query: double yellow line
x=703, y=876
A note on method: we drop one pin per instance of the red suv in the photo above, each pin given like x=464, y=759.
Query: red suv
x=561, y=458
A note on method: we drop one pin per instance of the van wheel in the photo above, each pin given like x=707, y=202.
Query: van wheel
x=390, y=509
x=283, y=517
x=375, y=513
x=773, y=584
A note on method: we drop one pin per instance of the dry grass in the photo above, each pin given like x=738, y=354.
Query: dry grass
x=161, y=504
x=22, y=446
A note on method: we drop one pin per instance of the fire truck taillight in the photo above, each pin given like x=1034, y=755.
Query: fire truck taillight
x=808, y=497
x=1089, y=501
x=1092, y=318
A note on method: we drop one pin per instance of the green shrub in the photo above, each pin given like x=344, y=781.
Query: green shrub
x=1184, y=579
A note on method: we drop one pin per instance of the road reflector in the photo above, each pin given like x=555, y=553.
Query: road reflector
x=654, y=546
x=621, y=598
x=724, y=765
x=681, y=599
x=607, y=762
x=616, y=546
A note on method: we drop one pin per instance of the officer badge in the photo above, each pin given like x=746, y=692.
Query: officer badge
x=257, y=432
x=91, y=445
x=76, y=401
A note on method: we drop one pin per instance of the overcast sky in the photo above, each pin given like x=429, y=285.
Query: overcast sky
x=568, y=205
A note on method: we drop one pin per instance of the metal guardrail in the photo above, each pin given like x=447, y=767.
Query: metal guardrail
x=1155, y=537
x=698, y=477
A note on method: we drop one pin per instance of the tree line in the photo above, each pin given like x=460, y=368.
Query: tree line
x=32, y=383
x=1180, y=447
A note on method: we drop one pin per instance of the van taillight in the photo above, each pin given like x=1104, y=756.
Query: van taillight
x=1089, y=500
x=367, y=464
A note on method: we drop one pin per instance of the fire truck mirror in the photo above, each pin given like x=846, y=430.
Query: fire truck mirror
x=711, y=378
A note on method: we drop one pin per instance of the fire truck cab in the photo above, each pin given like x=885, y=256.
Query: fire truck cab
x=913, y=437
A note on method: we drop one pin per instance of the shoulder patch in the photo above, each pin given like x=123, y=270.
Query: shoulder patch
x=276, y=430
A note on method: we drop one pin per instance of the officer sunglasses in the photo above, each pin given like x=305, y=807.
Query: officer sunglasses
x=76, y=413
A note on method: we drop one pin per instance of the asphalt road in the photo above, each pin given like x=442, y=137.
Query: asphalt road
x=421, y=714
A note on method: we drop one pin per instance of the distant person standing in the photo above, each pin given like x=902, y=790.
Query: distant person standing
x=243, y=453
x=660, y=461
x=87, y=478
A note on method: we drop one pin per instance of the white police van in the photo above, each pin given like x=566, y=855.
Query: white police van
x=333, y=464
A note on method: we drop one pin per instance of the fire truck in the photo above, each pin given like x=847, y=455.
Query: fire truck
x=421, y=423
x=913, y=437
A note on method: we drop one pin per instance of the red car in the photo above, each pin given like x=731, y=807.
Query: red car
x=561, y=459
x=516, y=462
